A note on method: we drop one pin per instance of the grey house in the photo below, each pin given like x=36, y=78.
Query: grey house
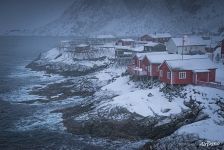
x=154, y=47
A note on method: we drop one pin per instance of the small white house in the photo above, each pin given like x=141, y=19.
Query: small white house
x=186, y=45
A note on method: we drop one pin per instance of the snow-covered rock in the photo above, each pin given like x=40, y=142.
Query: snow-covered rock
x=69, y=63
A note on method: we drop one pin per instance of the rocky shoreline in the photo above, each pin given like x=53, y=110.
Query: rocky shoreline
x=116, y=123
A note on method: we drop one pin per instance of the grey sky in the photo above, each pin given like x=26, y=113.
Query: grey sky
x=20, y=14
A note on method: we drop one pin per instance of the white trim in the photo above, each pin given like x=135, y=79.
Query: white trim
x=168, y=75
x=150, y=69
x=182, y=75
x=208, y=76
x=196, y=78
x=161, y=73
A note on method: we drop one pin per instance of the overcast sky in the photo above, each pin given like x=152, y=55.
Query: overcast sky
x=28, y=14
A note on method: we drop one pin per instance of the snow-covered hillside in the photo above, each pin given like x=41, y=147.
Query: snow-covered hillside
x=134, y=17
x=71, y=63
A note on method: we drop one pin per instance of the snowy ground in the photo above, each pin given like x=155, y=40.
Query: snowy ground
x=212, y=128
x=220, y=73
x=149, y=102
x=146, y=102
x=128, y=94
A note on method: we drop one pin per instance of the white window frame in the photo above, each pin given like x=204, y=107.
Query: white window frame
x=182, y=75
x=168, y=75
x=149, y=68
x=161, y=73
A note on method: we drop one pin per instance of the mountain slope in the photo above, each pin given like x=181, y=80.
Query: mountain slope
x=133, y=17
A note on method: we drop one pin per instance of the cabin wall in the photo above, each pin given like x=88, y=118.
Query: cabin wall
x=187, y=80
x=203, y=76
x=161, y=40
x=171, y=47
x=145, y=63
x=191, y=49
x=146, y=38
x=212, y=75
x=155, y=70
x=164, y=78
x=125, y=43
x=159, y=48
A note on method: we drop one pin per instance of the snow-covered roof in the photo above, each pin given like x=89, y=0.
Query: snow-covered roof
x=123, y=47
x=160, y=35
x=151, y=44
x=82, y=45
x=140, y=55
x=127, y=40
x=195, y=64
x=189, y=41
x=128, y=53
x=159, y=57
x=136, y=49
x=141, y=42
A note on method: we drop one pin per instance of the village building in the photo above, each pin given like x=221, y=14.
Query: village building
x=127, y=52
x=126, y=42
x=187, y=71
x=147, y=64
x=137, y=67
x=186, y=45
x=66, y=45
x=217, y=53
x=156, y=37
x=82, y=48
x=154, y=47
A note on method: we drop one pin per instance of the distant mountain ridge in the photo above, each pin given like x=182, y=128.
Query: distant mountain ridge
x=136, y=17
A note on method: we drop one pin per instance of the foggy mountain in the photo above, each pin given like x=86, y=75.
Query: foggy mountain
x=136, y=17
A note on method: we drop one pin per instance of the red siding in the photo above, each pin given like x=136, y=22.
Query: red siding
x=175, y=76
x=164, y=78
x=203, y=76
x=155, y=71
x=125, y=43
x=188, y=80
x=145, y=63
x=212, y=75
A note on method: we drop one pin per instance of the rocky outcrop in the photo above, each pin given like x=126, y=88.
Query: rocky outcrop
x=182, y=142
x=118, y=122
x=65, y=63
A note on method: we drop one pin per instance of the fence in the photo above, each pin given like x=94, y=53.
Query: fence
x=216, y=85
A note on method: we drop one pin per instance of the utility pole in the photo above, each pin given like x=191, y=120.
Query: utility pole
x=183, y=48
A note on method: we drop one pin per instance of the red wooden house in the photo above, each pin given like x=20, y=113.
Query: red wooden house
x=153, y=60
x=187, y=71
x=137, y=66
x=146, y=64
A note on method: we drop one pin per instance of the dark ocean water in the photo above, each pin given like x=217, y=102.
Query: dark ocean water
x=25, y=126
x=16, y=52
